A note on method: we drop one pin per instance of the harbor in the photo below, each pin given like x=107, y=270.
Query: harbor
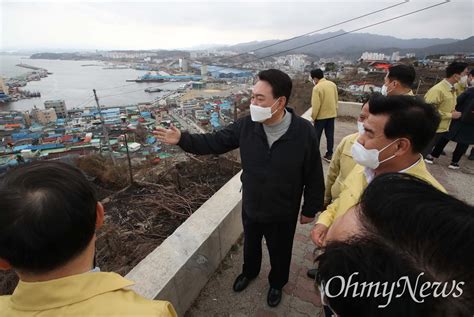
x=59, y=133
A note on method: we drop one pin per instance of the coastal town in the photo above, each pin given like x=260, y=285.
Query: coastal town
x=209, y=98
x=237, y=158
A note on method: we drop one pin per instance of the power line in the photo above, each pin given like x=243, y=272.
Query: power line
x=301, y=46
x=287, y=40
x=322, y=29
x=86, y=101
x=348, y=32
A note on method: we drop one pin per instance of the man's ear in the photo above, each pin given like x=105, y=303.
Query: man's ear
x=4, y=265
x=282, y=102
x=99, y=221
x=404, y=145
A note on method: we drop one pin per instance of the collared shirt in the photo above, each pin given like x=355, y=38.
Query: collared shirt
x=354, y=185
x=451, y=86
x=90, y=294
x=370, y=173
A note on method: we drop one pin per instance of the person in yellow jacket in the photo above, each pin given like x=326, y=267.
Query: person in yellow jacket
x=49, y=215
x=396, y=131
x=341, y=165
x=324, y=101
x=342, y=162
x=399, y=80
x=443, y=97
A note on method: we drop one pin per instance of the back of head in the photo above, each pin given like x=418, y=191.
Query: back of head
x=455, y=68
x=409, y=229
x=317, y=73
x=405, y=74
x=409, y=117
x=48, y=216
x=281, y=83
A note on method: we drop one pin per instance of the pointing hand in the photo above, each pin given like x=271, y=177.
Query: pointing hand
x=168, y=136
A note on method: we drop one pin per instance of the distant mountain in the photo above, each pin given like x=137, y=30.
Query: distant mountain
x=463, y=46
x=349, y=45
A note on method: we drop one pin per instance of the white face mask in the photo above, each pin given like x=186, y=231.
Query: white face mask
x=260, y=114
x=463, y=80
x=360, y=127
x=384, y=90
x=369, y=158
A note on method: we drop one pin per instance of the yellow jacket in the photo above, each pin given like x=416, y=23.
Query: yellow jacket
x=324, y=100
x=354, y=185
x=443, y=97
x=88, y=294
x=460, y=88
x=341, y=165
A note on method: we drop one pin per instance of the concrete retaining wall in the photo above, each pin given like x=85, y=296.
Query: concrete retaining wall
x=349, y=109
x=180, y=267
x=345, y=108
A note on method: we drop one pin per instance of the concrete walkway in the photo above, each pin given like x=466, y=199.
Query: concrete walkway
x=300, y=298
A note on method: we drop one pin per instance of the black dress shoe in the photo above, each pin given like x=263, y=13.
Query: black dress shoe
x=273, y=297
x=241, y=283
x=312, y=273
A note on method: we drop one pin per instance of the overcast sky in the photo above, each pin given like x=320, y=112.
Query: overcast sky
x=184, y=24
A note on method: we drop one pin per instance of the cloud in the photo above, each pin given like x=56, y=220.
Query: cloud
x=161, y=24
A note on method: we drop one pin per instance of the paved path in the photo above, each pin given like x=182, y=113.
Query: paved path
x=300, y=298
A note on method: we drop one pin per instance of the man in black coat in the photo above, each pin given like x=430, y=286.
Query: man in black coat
x=280, y=162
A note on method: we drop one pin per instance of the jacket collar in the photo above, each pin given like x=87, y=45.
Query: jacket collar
x=321, y=80
x=448, y=85
x=65, y=291
x=258, y=127
x=418, y=169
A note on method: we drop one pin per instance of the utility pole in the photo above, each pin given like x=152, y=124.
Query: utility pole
x=235, y=110
x=418, y=87
x=128, y=157
x=104, y=129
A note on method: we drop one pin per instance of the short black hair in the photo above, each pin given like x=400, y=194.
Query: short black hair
x=455, y=68
x=405, y=74
x=471, y=72
x=281, y=83
x=409, y=117
x=317, y=73
x=408, y=228
x=47, y=215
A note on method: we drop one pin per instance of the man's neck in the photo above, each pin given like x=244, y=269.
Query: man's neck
x=81, y=264
x=396, y=165
x=401, y=91
x=451, y=80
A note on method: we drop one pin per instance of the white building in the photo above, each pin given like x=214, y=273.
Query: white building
x=183, y=64
x=395, y=57
x=204, y=73
x=371, y=56
x=58, y=105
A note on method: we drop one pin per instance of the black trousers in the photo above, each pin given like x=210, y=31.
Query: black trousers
x=433, y=142
x=328, y=126
x=279, y=237
x=459, y=151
